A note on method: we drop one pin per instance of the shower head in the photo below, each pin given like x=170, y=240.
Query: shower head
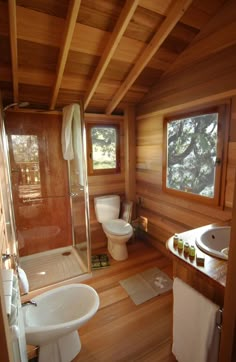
x=20, y=105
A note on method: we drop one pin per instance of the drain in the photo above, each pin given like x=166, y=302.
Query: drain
x=66, y=253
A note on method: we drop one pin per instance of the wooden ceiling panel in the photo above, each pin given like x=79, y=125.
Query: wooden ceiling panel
x=158, y=6
x=81, y=63
x=133, y=97
x=148, y=77
x=109, y=53
x=35, y=95
x=201, y=12
x=5, y=73
x=89, y=40
x=129, y=50
x=66, y=97
x=6, y=92
x=5, y=50
x=98, y=105
x=210, y=7
x=143, y=25
x=100, y=14
x=117, y=70
x=50, y=7
x=39, y=27
x=35, y=76
x=74, y=82
x=179, y=38
x=195, y=17
x=35, y=55
x=164, y=55
x=106, y=88
x=4, y=20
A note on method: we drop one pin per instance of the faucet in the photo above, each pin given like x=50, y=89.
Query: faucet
x=29, y=302
x=6, y=256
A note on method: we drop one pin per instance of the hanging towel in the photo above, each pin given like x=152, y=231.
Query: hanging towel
x=194, y=325
x=71, y=138
x=23, y=281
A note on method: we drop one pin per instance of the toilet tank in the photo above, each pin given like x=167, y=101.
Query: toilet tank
x=107, y=208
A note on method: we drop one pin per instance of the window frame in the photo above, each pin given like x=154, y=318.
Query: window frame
x=104, y=171
x=222, y=146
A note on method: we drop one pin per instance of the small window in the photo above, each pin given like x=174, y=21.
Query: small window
x=193, y=155
x=103, y=148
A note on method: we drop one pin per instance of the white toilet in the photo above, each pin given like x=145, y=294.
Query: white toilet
x=118, y=231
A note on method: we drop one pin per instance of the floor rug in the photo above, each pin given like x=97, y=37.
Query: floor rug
x=146, y=285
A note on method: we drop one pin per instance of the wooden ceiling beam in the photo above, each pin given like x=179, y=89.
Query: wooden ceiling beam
x=175, y=13
x=71, y=18
x=13, y=45
x=120, y=27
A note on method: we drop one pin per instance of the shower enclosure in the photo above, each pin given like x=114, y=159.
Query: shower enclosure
x=51, y=207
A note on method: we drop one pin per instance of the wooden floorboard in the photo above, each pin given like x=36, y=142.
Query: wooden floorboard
x=120, y=330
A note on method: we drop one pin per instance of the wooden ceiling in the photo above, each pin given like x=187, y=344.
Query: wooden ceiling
x=106, y=53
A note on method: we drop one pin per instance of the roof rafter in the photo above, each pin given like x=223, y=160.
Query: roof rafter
x=120, y=27
x=176, y=11
x=13, y=45
x=71, y=18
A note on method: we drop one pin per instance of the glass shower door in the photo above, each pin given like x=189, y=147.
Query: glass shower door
x=80, y=227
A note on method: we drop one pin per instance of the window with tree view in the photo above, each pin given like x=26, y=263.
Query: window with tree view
x=103, y=148
x=193, y=155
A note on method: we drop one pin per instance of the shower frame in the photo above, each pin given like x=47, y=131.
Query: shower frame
x=85, y=195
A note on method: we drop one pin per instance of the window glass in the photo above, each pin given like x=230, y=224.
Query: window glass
x=192, y=154
x=26, y=160
x=103, y=148
x=104, y=144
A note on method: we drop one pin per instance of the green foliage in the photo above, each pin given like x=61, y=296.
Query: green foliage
x=192, y=146
x=104, y=147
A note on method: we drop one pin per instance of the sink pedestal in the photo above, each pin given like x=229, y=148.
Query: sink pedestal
x=65, y=349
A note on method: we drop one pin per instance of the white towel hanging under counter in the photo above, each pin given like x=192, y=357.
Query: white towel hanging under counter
x=195, y=332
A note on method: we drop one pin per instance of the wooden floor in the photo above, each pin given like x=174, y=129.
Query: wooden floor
x=120, y=330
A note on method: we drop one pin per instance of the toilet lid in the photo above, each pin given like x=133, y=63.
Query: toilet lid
x=117, y=227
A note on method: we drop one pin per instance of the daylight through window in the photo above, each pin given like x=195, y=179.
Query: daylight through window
x=103, y=148
x=193, y=153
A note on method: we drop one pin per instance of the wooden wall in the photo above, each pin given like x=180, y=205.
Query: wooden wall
x=105, y=184
x=167, y=214
x=204, y=74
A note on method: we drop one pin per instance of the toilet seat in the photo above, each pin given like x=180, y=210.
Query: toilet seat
x=117, y=227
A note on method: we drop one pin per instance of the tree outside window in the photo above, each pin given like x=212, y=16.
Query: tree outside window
x=103, y=148
x=193, y=155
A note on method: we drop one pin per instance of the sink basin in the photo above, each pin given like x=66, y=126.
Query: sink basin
x=215, y=241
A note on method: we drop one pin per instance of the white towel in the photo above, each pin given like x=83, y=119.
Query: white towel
x=194, y=325
x=23, y=281
x=71, y=138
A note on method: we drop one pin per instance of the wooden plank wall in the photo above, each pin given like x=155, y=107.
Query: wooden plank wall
x=167, y=214
x=105, y=184
x=204, y=74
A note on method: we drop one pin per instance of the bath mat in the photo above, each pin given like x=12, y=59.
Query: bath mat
x=100, y=261
x=146, y=285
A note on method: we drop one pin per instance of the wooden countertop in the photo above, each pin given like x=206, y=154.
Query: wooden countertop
x=214, y=268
